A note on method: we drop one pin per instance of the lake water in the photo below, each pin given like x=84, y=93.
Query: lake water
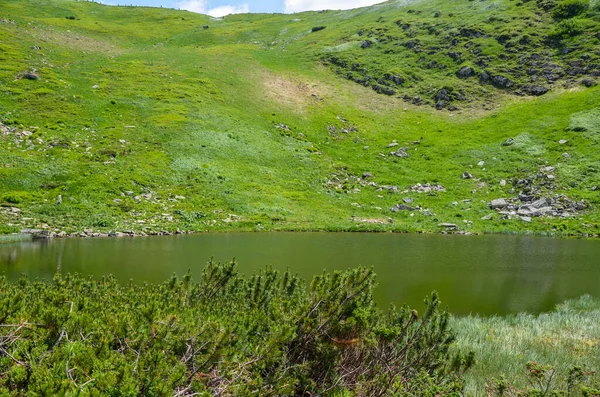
x=473, y=274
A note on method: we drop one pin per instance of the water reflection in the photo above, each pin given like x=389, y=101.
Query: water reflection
x=479, y=274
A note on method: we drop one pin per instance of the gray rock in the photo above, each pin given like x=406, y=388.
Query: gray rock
x=563, y=141
x=451, y=226
x=566, y=155
x=487, y=217
x=508, y=142
x=525, y=197
x=525, y=218
x=588, y=82
x=498, y=204
x=536, y=90
x=401, y=152
x=465, y=72
x=401, y=207
x=502, y=82
x=543, y=202
x=407, y=200
x=31, y=76
x=466, y=175
x=367, y=175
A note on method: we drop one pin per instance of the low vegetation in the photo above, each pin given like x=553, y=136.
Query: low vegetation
x=224, y=335
x=272, y=335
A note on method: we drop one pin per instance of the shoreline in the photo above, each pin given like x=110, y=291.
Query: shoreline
x=26, y=235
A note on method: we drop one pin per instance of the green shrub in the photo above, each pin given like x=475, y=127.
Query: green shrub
x=16, y=197
x=224, y=335
x=569, y=9
x=565, y=29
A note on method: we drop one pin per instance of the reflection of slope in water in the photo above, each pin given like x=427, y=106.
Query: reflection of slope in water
x=8, y=258
x=16, y=259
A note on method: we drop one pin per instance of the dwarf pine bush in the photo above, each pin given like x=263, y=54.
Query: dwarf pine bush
x=225, y=334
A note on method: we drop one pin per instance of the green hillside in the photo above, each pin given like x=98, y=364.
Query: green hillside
x=405, y=116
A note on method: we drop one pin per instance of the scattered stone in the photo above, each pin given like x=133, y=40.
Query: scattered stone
x=588, y=83
x=31, y=76
x=487, y=217
x=481, y=163
x=498, y=204
x=502, y=82
x=566, y=155
x=508, y=142
x=366, y=44
x=402, y=207
x=401, y=152
x=465, y=72
x=525, y=218
x=536, y=90
x=367, y=175
x=502, y=182
x=563, y=141
x=428, y=188
x=466, y=175
x=407, y=200
x=389, y=188
x=450, y=226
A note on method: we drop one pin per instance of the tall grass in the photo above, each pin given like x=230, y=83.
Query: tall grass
x=12, y=238
x=566, y=337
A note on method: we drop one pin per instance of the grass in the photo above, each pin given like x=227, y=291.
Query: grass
x=135, y=126
x=564, y=338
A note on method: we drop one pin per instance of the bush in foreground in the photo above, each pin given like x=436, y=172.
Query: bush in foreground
x=224, y=335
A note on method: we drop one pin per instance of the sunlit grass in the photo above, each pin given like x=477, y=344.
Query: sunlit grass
x=564, y=338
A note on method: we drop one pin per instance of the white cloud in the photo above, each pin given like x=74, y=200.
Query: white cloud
x=200, y=7
x=226, y=10
x=317, y=5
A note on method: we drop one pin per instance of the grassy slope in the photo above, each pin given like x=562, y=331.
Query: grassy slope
x=142, y=119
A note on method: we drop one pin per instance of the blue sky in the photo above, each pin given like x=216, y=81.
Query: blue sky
x=224, y=7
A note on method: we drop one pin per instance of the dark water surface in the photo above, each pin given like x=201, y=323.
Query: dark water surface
x=473, y=274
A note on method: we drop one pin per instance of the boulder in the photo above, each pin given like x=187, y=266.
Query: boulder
x=498, y=204
x=451, y=226
x=366, y=44
x=401, y=207
x=465, y=72
x=536, y=90
x=502, y=82
x=588, y=83
x=508, y=142
x=31, y=76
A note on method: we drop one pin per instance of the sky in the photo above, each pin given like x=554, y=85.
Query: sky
x=219, y=8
